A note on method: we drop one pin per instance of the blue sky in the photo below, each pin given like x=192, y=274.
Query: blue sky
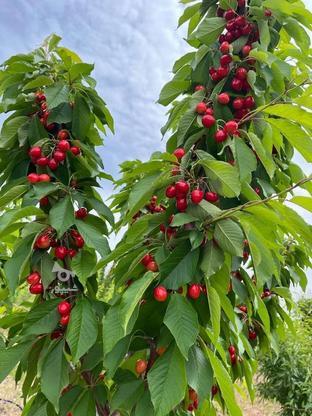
x=133, y=45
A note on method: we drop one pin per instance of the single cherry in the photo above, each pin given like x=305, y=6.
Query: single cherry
x=33, y=278
x=63, y=135
x=44, y=201
x=147, y=259
x=179, y=153
x=33, y=178
x=160, y=293
x=53, y=164
x=171, y=191
x=81, y=213
x=43, y=241
x=223, y=98
x=140, y=366
x=201, y=108
x=194, y=291
x=208, y=121
x=225, y=60
x=152, y=266
x=63, y=145
x=200, y=88
x=61, y=252
x=182, y=188
x=238, y=103
x=79, y=241
x=236, y=84
x=225, y=48
x=64, y=308
x=75, y=150
x=211, y=196
x=36, y=289
x=220, y=136
x=230, y=127
x=197, y=196
x=64, y=321
x=44, y=177
x=181, y=204
x=35, y=152
x=241, y=73
x=59, y=156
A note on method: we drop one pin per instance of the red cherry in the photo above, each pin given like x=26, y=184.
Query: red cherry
x=35, y=152
x=43, y=241
x=63, y=135
x=241, y=3
x=75, y=150
x=211, y=196
x=210, y=111
x=243, y=308
x=33, y=278
x=33, y=178
x=44, y=201
x=81, y=213
x=200, y=88
x=225, y=47
x=36, y=289
x=223, y=98
x=152, y=266
x=171, y=191
x=208, y=121
x=179, y=153
x=44, y=178
x=238, y=103
x=229, y=37
x=240, y=21
x=182, y=188
x=64, y=321
x=201, y=108
x=63, y=145
x=175, y=171
x=236, y=84
x=214, y=390
x=147, y=259
x=79, y=241
x=197, y=196
x=50, y=127
x=233, y=359
x=59, y=156
x=194, y=291
x=249, y=102
x=225, y=60
x=252, y=335
x=40, y=96
x=53, y=164
x=61, y=252
x=241, y=73
x=72, y=253
x=220, y=136
x=42, y=161
x=214, y=76
x=232, y=349
x=64, y=308
x=268, y=12
x=190, y=408
x=140, y=366
x=222, y=72
x=160, y=293
x=257, y=190
x=193, y=395
x=229, y=14
x=56, y=335
x=195, y=404
x=181, y=204
x=246, y=50
x=43, y=106
x=162, y=228
x=230, y=127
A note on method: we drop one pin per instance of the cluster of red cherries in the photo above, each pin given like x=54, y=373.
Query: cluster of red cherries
x=55, y=152
x=181, y=189
x=64, y=309
x=193, y=399
x=35, y=284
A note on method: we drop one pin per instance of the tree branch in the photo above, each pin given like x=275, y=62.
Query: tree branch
x=227, y=213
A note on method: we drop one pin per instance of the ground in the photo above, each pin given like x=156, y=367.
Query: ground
x=10, y=393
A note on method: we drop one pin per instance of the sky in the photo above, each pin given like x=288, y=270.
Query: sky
x=133, y=45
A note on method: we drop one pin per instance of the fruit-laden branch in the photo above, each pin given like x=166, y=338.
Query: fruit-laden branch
x=229, y=212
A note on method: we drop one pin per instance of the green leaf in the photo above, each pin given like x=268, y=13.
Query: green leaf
x=296, y=136
x=303, y=201
x=199, y=373
x=93, y=237
x=83, y=264
x=57, y=94
x=54, y=373
x=215, y=311
x=212, y=259
x=181, y=219
x=265, y=37
x=181, y=319
x=185, y=124
x=82, y=329
x=245, y=159
x=225, y=384
x=222, y=176
x=119, y=319
x=9, y=131
x=12, y=194
x=180, y=267
x=46, y=267
x=63, y=113
x=11, y=356
x=113, y=359
x=172, y=90
x=40, y=81
x=228, y=4
x=126, y=395
x=16, y=214
x=62, y=215
x=188, y=13
x=144, y=405
x=291, y=113
x=43, y=319
x=15, y=266
x=229, y=235
x=209, y=30
x=80, y=70
x=167, y=381
x=81, y=118
x=263, y=154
